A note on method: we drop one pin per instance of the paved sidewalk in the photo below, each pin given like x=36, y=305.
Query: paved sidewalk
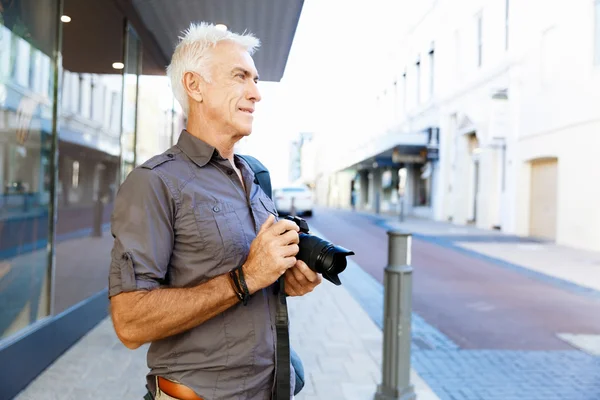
x=340, y=346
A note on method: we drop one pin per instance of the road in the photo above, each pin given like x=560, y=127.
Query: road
x=480, y=330
x=476, y=303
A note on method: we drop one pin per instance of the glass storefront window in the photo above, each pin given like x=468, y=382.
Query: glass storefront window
x=88, y=175
x=26, y=85
x=99, y=119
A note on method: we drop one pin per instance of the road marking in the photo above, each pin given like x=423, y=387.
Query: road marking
x=531, y=246
x=587, y=343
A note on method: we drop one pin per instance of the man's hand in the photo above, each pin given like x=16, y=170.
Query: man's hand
x=300, y=279
x=272, y=253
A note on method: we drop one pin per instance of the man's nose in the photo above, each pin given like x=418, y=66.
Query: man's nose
x=254, y=93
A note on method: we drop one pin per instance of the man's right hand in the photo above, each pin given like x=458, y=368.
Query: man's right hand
x=272, y=253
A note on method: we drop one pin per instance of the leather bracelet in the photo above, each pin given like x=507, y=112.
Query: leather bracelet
x=234, y=284
x=239, y=284
x=244, y=286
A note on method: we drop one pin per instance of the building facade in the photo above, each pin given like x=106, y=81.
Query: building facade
x=512, y=90
x=68, y=137
x=301, y=159
x=515, y=109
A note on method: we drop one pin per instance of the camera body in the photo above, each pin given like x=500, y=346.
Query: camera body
x=302, y=224
x=321, y=256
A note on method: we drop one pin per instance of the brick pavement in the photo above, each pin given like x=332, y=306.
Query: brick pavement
x=97, y=367
x=339, y=343
x=455, y=373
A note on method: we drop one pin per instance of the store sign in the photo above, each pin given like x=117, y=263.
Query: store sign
x=433, y=153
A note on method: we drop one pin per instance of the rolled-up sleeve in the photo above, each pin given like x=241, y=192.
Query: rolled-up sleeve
x=142, y=227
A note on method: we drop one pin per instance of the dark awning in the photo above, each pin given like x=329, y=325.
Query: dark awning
x=93, y=38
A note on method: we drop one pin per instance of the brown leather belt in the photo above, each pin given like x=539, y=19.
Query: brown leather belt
x=176, y=390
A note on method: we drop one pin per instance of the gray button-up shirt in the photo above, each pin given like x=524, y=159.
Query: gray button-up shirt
x=180, y=219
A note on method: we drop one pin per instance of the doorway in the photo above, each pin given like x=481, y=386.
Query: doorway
x=544, y=198
x=475, y=152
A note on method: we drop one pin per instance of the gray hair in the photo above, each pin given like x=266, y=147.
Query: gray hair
x=193, y=54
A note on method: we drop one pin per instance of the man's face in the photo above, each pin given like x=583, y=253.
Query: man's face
x=230, y=97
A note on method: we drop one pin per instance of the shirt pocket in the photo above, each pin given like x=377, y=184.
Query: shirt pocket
x=262, y=210
x=220, y=229
x=269, y=206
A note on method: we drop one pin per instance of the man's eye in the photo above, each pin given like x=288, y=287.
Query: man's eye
x=241, y=76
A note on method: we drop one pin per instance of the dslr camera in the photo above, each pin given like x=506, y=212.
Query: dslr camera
x=320, y=255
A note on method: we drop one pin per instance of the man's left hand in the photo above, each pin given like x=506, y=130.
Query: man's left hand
x=300, y=279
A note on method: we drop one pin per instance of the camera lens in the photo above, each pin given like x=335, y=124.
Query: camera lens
x=323, y=257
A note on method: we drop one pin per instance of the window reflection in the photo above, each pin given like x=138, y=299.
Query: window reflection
x=131, y=73
x=26, y=86
x=101, y=112
x=88, y=168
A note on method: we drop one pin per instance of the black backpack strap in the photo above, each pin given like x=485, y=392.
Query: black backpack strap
x=261, y=174
x=283, y=377
x=148, y=395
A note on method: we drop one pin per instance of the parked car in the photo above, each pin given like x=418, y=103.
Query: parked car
x=300, y=196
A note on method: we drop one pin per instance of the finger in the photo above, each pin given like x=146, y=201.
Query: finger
x=267, y=224
x=306, y=272
x=284, y=225
x=299, y=276
x=291, y=250
x=290, y=237
x=318, y=280
x=291, y=286
x=289, y=262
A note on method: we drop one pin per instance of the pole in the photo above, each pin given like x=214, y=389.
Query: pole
x=395, y=383
x=293, y=207
x=401, y=203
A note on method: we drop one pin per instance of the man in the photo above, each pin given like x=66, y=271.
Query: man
x=197, y=242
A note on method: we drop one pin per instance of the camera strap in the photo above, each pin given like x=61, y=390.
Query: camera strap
x=283, y=372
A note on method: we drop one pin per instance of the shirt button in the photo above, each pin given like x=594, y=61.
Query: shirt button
x=229, y=172
x=170, y=155
x=216, y=209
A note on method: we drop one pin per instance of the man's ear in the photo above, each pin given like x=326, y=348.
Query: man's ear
x=193, y=85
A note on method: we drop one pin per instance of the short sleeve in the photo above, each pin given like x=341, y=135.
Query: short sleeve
x=142, y=227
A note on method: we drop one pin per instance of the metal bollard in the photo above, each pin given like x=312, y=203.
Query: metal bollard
x=395, y=383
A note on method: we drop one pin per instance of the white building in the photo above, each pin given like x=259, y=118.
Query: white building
x=514, y=89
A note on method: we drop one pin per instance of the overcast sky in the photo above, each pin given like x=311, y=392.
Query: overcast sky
x=332, y=71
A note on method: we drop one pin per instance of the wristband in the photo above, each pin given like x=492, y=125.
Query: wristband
x=234, y=284
x=239, y=284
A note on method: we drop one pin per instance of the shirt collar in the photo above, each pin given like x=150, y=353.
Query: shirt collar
x=196, y=149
